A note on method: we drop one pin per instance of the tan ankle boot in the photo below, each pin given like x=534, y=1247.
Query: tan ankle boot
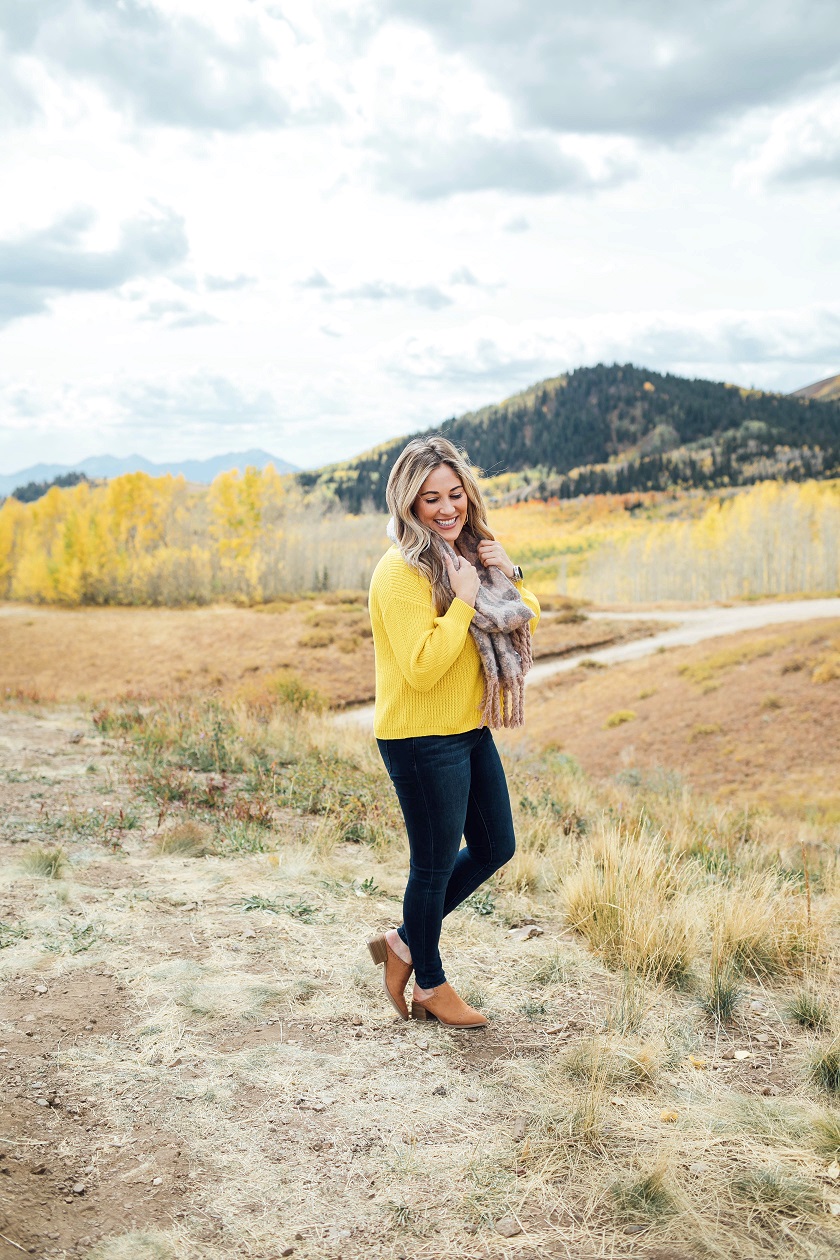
x=447, y=1008
x=395, y=973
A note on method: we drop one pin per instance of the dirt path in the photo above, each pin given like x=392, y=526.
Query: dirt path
x=694, y=625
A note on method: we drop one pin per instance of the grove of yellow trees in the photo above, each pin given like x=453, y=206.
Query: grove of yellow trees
x=251, y=537
x=158, y=540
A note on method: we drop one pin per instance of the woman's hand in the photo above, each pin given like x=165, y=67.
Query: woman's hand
x=493, y=554
x=464, y=581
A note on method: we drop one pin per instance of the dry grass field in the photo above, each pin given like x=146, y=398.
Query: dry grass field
x=198, y=1063
x=754, y=718
x=99, y=654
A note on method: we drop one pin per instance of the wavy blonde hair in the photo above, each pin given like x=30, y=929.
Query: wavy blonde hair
x=419, y=458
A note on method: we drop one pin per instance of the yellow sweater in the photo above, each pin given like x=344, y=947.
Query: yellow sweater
x=429, y=679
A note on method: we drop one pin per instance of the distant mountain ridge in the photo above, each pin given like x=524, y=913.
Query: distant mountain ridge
x=108, y=466
x=620, y=429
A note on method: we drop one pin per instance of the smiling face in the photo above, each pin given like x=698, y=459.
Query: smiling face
x=442, y=503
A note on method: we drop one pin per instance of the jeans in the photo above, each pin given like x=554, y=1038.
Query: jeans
x=448, y=786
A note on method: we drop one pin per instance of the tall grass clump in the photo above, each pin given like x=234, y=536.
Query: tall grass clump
x=824, y=1066
x=810, y=1010
x=629, y=900
x=645, y=1197
x=826, y=1134
x=719, y=994
x=766, y=929
x=186, y=839
x=49, y=863
x=777, y=1190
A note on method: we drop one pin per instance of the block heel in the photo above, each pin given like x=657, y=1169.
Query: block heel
x=420, y=1012
x=395, y=973
x=378, y=947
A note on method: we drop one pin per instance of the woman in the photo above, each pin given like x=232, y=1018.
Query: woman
x=451, y=631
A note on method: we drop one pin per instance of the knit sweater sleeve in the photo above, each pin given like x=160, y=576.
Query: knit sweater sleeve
x=424, y=645
x=533, y=603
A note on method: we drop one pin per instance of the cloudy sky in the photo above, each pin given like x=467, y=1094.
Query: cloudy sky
x=313, y=225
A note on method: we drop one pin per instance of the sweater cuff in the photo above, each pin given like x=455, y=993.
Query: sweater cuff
x=463, y=611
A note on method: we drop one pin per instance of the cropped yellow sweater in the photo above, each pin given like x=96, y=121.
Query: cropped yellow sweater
x=429, y=679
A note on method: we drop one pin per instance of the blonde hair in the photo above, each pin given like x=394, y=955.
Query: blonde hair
x=419, y=458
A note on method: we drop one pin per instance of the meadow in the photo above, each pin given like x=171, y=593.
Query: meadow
x=198, y=1058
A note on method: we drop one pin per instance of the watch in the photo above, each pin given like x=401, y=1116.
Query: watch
x=518, y=575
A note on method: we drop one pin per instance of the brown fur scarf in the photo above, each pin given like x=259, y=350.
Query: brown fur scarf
x=502, y=634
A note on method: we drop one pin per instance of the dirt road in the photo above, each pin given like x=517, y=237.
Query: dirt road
x=693, y=625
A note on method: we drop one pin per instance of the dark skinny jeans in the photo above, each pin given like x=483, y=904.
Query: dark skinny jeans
x=448, y=786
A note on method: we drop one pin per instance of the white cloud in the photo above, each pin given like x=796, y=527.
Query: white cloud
x=163, y=67
x=45, y=263
x=494, y=355
x=648, y=69
x=802, y=144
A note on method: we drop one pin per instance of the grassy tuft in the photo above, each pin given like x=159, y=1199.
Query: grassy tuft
x=185, y=839
x=777, y=1190
x=810, y=1010
x=628, y=899
x=765, y=929
x=620, y=717
x=824, y=1066
x=50, y=863
x=134, y=1246
x=826, y=1134
x=719, y=995
x=644, y=1197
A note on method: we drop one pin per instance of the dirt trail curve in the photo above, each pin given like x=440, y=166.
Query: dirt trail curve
x=693, y=626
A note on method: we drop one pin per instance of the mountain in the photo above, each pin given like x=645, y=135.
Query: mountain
x=108, y=466
x=826, y=391
x=621, y=428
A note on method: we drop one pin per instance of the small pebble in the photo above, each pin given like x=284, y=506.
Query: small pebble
x=635, y=1229
x=440, y=1090
x=698, y=1169
x=508, y=1227
x=157, y=1181
x=770, y=1091
x=79, y=1187
x=356, y=1020
x=40, y=988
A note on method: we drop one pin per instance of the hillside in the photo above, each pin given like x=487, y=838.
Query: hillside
x=752, y=719
x=621, y=429
x=827, y=390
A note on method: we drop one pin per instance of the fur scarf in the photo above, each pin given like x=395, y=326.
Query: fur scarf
x=501, y=631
